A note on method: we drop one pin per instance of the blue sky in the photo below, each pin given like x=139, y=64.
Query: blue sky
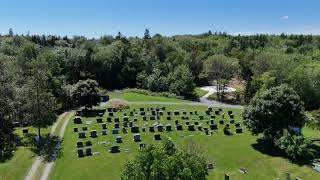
x=94, y=18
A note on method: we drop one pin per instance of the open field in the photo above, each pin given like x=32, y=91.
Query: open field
x=228, y=153
x=135, y=97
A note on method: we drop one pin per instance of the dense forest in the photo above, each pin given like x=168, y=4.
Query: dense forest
x=162, y=64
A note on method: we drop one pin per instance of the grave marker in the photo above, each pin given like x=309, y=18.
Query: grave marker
x=104, y=132
x=81, y=135
x=157, y=137
x=114, y=149
x=93, y=134
x=80, y=153
x=79, y=144
x=137, y=138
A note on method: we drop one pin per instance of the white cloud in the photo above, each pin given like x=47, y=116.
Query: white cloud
x=284, y=17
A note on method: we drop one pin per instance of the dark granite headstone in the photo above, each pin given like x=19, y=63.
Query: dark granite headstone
x=88, y=143
x=115, y=131
x=213, y=126
x=80, y=153
x=191, y=128
x=137, y=138
x=160, y=128
x=151, y=129
x=93, y=134
x=114, y=149
x=135, y=129
x=168, y=127
x=119, y=139
x=239, y=130
x=81, y=135
x=157, y=137
x=179, y=127
x=104, y=132
x=79, y=144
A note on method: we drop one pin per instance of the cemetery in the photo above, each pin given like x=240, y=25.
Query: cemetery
x=116, y=136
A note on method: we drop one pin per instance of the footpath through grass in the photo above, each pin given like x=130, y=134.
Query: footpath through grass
x=19, y=165
x=228, y=153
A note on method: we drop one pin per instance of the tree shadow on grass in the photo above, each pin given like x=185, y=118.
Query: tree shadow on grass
x=267, y=148
x=9, y=148
x=7, y=156
x=49, y=147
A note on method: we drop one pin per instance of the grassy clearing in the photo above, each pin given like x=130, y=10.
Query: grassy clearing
x=135, y=97
x=21, y=162
x=199, y=92
x=18, y=166
x=228, y=153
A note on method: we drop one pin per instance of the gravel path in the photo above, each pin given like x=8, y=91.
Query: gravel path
x=36, y=164
x=49, y=164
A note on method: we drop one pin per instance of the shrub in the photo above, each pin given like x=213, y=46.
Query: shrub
x=119, y=104
x=314, y=119
x=296, y=147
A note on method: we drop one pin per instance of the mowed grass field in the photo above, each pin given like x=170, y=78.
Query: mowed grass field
x=135, y=97
x=228, y=153
x=18, y=166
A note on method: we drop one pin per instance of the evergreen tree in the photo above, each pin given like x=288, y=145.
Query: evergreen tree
x=146, y=34
x=40, y=105
x=6, y=125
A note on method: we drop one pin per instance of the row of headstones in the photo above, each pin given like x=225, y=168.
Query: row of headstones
x=136, y=138
x=176, y=113
x=78, y=120
x=114, y=148
x=154, y=111
x=160, y=128
x=131, y=125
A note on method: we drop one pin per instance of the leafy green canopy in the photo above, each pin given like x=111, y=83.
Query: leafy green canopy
x=165, y=162
x=305, y=79
x=273, y=111
x=86, y=93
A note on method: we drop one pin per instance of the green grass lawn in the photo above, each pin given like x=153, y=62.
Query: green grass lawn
x=135, y=97
x=18, y=166
x=199, y=92
x=228, y=153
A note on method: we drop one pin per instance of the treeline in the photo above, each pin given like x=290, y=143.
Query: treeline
x=168, y=64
